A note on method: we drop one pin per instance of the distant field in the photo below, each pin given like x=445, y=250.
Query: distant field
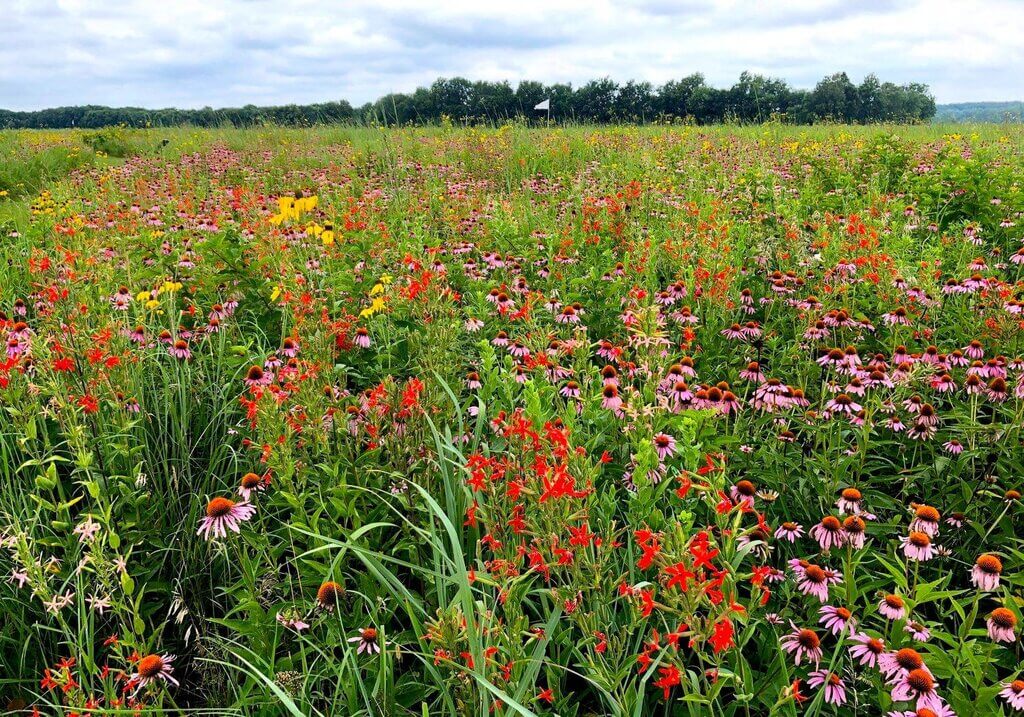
x=980, y=112
x=507, y=421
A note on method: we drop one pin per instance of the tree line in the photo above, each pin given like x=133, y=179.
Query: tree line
x=754, y=98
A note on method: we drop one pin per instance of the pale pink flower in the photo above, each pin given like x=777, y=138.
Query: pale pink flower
x=222, y=515
x=835, y=690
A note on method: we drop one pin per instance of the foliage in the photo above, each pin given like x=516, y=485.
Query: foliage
x=464, y=421
x=754, y=98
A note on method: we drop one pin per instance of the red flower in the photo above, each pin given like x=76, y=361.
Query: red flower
x=701, y=554
x=669, y=678
x=47, y=683
x=721, y=637
x=647, y=598
x=581, y=536
x=89, y=404
x=679, y=575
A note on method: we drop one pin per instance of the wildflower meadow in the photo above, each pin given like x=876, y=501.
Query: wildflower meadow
x=512, y=421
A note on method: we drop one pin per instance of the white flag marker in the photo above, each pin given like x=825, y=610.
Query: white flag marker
x=545, y=105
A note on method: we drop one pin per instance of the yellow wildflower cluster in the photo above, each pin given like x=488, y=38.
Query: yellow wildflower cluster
x=291, y=208
x=44, y=204
x=377, y=297
x=150, y=299
x=325, y=233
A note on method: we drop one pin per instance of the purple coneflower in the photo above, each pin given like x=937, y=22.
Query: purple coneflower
x=837, y=619
x=801, y=643
x=152, y=668
x=1013, y=693
x=829, y=533
x=867, y=649
x=986, y=571
x=252, y=482
x=917, y=686
x=367, y=639
x=570, y=390
x=328, y=595
x=835, y=690
x=956, y=520
x=842, y=403
x=743, y=494
x=893, y=607
x=926, y=520
x=752, y=373
x=222, y=515
x=789, y=531
x=734, y=333
x=1001, y=625
x=917, y=631
x=256, y=376
x=290, y=347
x=180, y=350
x=664, y=445
x=854, y=528
x=918, y=546
x=849, y=501
x=814, y=580
x=610, y=398
x=953, y=447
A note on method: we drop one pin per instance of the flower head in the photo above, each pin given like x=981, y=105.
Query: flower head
x=152, y=668
x=986, y=571
x=367, y=640
x=802, y=643
x=222, y=515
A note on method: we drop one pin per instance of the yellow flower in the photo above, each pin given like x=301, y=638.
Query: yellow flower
x=142, y=296
x=374, y=308
x=275, y=293
x=306, y=204
x=291, y=207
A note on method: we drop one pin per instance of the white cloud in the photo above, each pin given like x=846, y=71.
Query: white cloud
x=191, y=53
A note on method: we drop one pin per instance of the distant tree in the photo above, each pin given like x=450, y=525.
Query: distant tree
x=835, y=98
x=595, y=101
x=675, y=96
x=635, y=102
x=528, y=95
x=757, y=98
x=492, y=101
x=708, y=105
x=869, y=100
x=563, y=102
x=452, y=97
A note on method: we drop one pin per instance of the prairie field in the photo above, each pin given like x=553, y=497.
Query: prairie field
x=512, y=421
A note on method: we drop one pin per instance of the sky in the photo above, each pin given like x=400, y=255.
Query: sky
x=223, y=53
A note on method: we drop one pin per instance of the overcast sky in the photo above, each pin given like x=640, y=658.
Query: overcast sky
x=191, y=53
